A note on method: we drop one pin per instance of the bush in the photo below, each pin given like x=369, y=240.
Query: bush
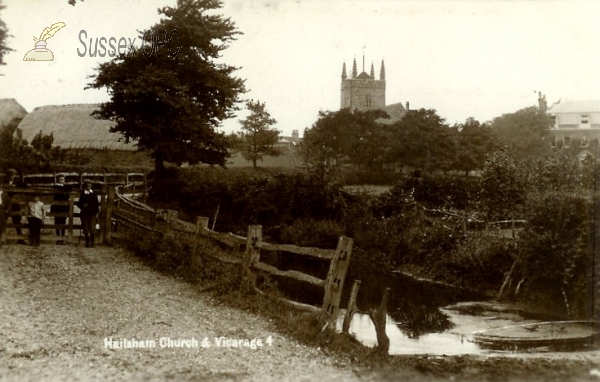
x=556, y=252
x=248, y=198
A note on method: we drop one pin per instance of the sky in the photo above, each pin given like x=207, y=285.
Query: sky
x=464, y=59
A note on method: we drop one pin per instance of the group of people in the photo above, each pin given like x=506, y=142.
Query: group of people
x=36, y=210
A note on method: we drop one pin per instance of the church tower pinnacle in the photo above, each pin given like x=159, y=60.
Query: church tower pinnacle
x=382, y=72
x=362, y=91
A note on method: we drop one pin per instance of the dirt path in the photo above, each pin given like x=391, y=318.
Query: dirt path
x=59, y=303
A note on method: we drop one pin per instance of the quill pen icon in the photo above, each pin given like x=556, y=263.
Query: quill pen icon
x=41, y=53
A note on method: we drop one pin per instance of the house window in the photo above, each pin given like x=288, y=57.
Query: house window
x=368, y=100
x=567, y=142
x=585, y=119
x=584, y=141
x=552, y=142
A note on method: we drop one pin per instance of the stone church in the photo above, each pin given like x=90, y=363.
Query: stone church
x=364, y=92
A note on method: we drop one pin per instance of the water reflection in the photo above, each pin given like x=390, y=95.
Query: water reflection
x=447, y=343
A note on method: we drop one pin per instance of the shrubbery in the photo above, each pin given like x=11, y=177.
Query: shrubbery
x=420, y=224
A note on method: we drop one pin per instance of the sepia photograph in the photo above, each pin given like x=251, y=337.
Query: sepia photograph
x=299, y=190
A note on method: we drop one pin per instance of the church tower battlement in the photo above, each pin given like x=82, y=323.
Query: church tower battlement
x=362, y=91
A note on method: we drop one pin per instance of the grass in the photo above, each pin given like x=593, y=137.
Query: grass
x=222, y=281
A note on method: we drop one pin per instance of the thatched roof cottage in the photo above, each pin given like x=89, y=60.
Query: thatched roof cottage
x=11, y=112
x=73, y=127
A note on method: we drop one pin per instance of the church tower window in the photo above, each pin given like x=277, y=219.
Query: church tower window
x=368, y=100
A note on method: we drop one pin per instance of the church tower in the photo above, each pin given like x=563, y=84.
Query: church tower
x=362, y=91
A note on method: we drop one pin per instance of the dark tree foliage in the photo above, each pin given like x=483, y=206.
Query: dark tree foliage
x=474, y=142
x=503, y=186
x=345, y=137
x=555, y=250
x=40, y=155
x=421, y=140
x=171, y=99
x=523, y=132
x=3, y=36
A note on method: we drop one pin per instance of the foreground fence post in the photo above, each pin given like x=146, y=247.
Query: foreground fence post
x=334, y=284
x=251, y=256
x=107, y=223
x=201, y=224
x=379, y=318
x=351, y=309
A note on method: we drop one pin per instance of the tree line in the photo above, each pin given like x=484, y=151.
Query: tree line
x=421, y=140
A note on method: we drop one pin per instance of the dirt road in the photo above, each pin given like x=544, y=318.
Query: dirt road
x=69, y=313
x=66, y=311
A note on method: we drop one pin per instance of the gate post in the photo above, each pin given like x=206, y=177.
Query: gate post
x=251, y=256
x=334, y=284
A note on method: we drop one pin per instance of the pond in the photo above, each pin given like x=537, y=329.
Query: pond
x=432, y=318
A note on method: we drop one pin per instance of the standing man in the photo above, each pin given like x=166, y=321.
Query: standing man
x=89, y=206
x=61, y=196
x=4, y=212
x=16, y=207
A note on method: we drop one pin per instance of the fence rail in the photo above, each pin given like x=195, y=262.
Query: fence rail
x=20, y=196
x=134, y=216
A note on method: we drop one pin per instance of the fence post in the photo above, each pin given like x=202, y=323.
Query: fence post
x=145, y=186
x=171, y=216
x=334, y=284
x=71, y=218
x=379, y=318
x=351, y=309
x=110, y=205
x=251, y=256
x=201, y=224
x=102, y=217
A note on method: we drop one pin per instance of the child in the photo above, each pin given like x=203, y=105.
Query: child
x=35, y=218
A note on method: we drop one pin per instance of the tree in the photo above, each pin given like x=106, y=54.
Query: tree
x=344, y=137
x=422, y=141
x=523, y=132
x=475, y=142
x=3, y=36
x=171, y=98
x=257, y=138
x=503, y=186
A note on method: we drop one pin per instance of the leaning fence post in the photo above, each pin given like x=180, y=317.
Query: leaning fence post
x=351, y=309
x=201, y=224
x=251, y=256
x=379, y=318
x=334, y=284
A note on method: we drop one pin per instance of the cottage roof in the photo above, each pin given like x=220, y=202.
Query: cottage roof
x=575, y=107
x=10, y=110
x=72, y=126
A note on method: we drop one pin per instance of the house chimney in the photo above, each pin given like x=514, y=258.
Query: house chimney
x=407, y=106
x=542, y=102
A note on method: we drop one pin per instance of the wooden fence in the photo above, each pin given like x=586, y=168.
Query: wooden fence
x=21, y=196
x=131, y=215
x=134, y=180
